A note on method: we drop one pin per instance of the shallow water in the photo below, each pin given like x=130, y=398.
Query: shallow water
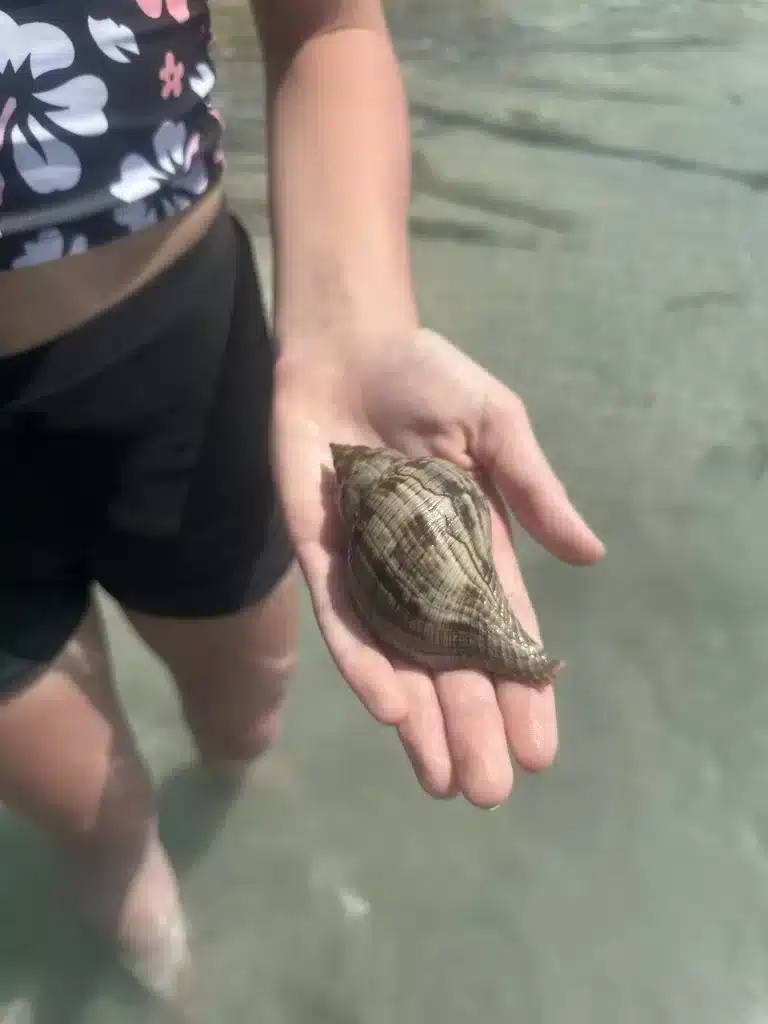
x=590, y=221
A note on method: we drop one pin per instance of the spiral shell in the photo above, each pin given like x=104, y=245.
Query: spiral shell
x=420, y=570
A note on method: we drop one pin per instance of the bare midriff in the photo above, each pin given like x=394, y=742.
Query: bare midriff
x=38, y=304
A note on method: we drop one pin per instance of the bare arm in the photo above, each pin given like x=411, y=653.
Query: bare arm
x=355, y=367
x=339, y=150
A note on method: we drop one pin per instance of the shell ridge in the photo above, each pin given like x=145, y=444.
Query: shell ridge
x=420, y=566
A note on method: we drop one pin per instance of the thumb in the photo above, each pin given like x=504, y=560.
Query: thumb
x=508, y=450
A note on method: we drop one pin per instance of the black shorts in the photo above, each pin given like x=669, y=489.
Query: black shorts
x=134, y=453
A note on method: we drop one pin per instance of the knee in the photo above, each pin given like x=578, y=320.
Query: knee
x=240, y=744
x=241, y=718
x=124, y=820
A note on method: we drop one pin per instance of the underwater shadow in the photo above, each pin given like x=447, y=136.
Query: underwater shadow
x=52, y=965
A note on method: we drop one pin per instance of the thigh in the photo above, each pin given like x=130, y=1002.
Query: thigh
x=44, y=522
x=205, y=570
x=196, y=531
x=68, y=760
x=232, y=670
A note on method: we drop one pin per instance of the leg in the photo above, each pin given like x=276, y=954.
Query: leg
x=69, y=763
x=231, y=672
x=150, y=476
x=213, y=590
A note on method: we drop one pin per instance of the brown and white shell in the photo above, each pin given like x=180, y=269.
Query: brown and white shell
x=420, y=570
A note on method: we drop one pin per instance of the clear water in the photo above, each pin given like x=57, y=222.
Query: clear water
x=591, y=222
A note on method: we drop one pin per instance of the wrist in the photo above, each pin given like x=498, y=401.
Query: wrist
x=344, y=315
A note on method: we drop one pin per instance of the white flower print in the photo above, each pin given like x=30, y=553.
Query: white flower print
x=115, y=41
x=148, y=212
x=49, y=244
x=177, y=162
x=176, y=158
x=203, y=80
x=45, y=161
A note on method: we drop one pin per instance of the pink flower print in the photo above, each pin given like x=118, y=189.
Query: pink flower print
x=178, y=9
x=171, y=74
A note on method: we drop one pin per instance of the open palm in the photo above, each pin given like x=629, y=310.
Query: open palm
x=425, y=397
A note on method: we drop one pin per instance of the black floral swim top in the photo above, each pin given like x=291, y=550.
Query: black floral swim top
x=106, y=123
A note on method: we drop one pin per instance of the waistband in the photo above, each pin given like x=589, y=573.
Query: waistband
x=68, y=360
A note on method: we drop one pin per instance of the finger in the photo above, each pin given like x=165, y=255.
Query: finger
x=508, y=569
x=508, y=448
x=423, y=735
x=529, y=715
x=367, y=671
x=530, y=723
x=476, y=737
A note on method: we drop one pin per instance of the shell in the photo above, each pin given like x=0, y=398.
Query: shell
x=420, y=571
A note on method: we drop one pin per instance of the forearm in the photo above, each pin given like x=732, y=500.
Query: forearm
x=339, y=151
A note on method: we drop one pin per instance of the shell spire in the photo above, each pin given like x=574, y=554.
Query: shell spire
x=420, y=570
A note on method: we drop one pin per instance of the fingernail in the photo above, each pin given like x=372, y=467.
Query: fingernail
x=495, y=807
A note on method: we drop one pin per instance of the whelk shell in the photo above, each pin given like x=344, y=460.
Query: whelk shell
x=420, y=570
